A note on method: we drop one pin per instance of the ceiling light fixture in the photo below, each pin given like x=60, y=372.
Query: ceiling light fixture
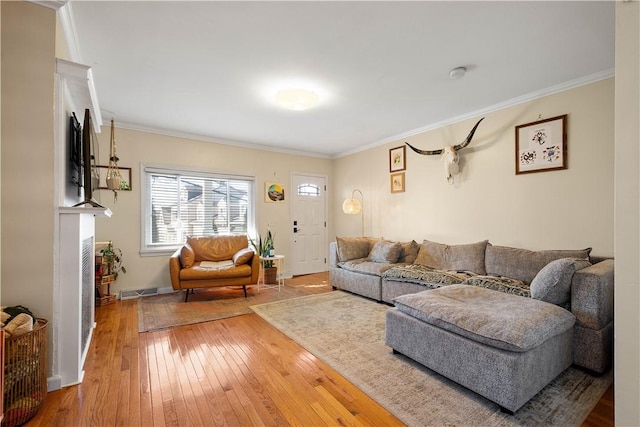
x=457, y=72
x=297, y=99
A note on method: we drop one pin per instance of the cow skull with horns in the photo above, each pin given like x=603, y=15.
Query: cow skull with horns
x=449, y=154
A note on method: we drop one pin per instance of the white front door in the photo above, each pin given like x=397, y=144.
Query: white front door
x=308, y=224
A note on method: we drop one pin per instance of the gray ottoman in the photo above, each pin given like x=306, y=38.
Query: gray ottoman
x=504, y=347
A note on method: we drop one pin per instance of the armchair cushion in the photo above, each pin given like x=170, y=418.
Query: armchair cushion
x=187, y=256
x=208, y=249
x=243, y=256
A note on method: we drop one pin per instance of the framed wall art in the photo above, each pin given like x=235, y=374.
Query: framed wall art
x=397, y=182
x=541, y=146
x=273, y=192
x=397, y=159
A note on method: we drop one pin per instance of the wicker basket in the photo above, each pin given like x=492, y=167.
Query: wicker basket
x=25, y=374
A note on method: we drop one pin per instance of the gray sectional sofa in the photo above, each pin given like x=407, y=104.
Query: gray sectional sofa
x=571, y=288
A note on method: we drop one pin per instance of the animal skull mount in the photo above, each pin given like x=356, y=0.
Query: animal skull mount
x=449, y=155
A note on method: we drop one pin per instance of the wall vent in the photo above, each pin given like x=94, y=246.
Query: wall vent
x=137, y=293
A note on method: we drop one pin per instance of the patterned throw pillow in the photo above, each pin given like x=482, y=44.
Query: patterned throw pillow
x=385, y=252
x=502, y=284
x=553, y=283
x=469, y=257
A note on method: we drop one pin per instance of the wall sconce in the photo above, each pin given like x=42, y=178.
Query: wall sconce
x=353, y=206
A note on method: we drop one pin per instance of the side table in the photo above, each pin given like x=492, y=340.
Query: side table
x=277, y=262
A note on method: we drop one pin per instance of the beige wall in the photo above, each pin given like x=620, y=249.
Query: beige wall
x=28, y=34
x=570, y=208
x=134, y=147
x=627, y=217
x=27, y=167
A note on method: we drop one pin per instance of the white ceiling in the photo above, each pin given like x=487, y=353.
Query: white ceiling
x=209, y=70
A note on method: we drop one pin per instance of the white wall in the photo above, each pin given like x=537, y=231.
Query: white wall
x=134, y=147
x=565, y=209
x=627, y=216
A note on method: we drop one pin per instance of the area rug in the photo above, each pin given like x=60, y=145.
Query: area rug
x=169, y=310
x=347, y=333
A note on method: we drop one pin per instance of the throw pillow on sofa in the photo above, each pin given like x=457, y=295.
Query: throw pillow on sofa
x=352, y=248
x=243, y=256
x=524, y=264
x=385, y=252
x=187, y=256
x=409, y=252
x=553, y=283
x=468, y=257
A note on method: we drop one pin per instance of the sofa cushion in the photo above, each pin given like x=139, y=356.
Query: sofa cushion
x=421, y=274
x=216, y=248
x=469, y=257
x=409, y=252
x=364, y=266
x=501, y=284
x=243, y=256
x=229, y=271
x=493, y=318
x=385, y=252
x=187, y=256
x=523, y=264
x=553, y=283
x=352, y=248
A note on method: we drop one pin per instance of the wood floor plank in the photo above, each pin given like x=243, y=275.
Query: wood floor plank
x=236, y=372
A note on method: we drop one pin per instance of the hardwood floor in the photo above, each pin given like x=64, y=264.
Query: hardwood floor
x=238, y=371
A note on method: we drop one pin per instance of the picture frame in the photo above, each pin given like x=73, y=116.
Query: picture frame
x=397, y=182
x=124, y=172
x=273, y=192
x=397, y=159
x=541, y=145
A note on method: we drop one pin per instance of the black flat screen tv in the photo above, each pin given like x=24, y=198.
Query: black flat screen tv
x=86, y=162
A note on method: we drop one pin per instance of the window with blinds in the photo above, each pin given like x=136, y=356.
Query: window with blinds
x=189, y=203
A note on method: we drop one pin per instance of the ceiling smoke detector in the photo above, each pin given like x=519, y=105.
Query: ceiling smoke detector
x=457, y=72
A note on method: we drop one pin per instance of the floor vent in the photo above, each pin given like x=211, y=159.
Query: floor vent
x=137, y=293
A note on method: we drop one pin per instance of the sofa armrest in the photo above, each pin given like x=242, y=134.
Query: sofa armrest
x=174, y=269
x=255, y=268
x=333, y=254
x=592, y=295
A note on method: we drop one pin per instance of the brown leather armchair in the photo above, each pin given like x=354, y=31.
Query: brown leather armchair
x=214, y=261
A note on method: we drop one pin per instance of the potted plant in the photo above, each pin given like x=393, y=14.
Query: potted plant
x=113, y=259
x=264, y=248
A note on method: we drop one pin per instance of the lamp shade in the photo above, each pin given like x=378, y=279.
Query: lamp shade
x=351, y=206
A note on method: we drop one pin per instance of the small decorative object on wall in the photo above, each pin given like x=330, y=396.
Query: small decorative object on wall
x=449, y=155
x=541, y=145
x=125, y=178
x=397, y=159
x=397, y=182
x=273, y=192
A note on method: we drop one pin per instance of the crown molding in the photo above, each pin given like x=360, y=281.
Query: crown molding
x=79, y=81
x=67, y=22
x=551, y=90
x=51, y=4
x=203, y=138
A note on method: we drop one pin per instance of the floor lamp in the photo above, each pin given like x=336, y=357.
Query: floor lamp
x=353, y=206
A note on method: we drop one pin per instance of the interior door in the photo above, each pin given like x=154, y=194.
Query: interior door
x=308, y=224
